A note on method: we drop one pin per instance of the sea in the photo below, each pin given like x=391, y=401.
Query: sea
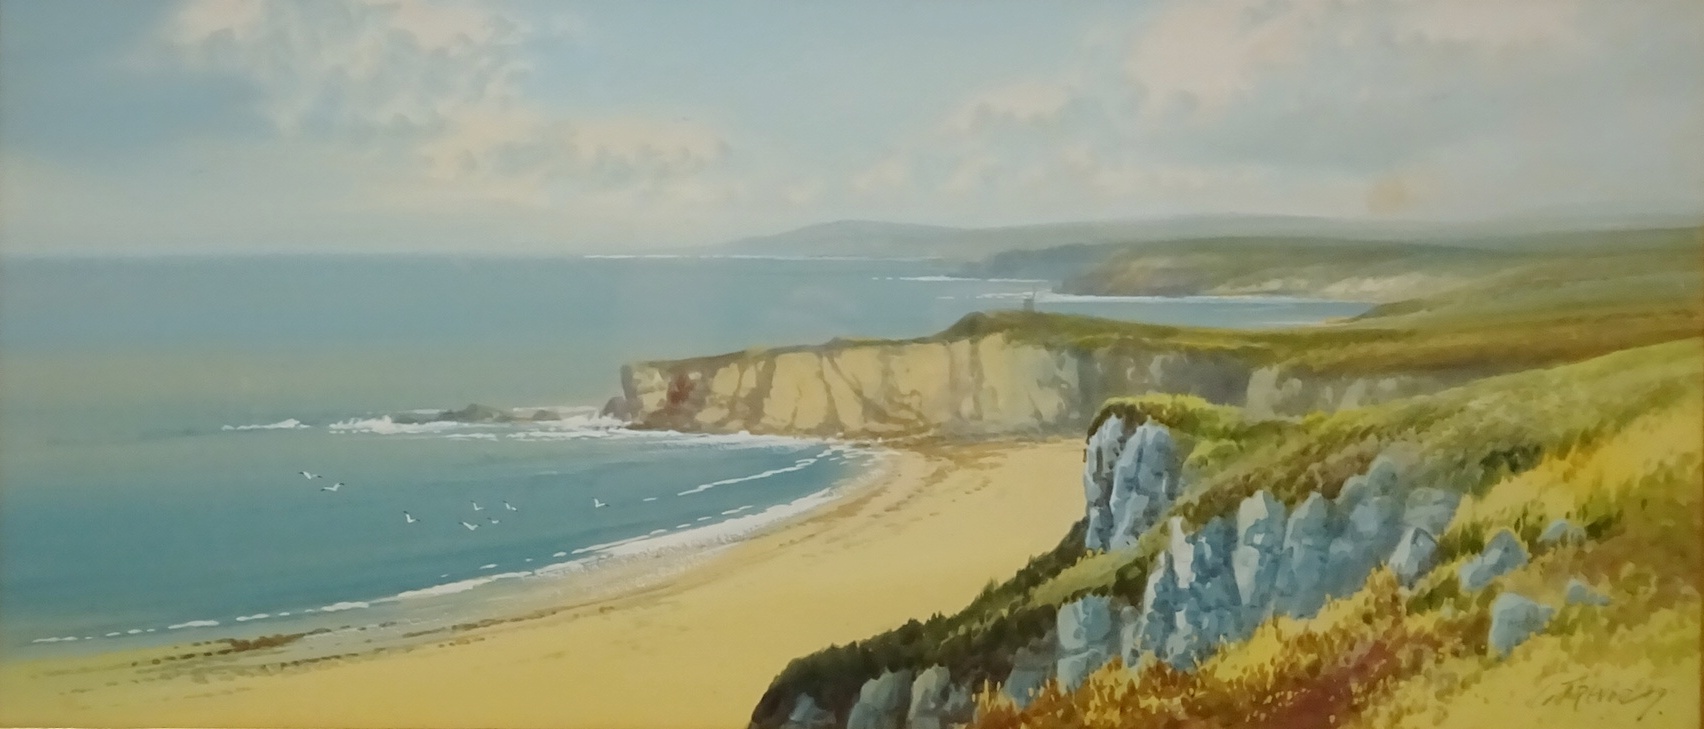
x=157, y=415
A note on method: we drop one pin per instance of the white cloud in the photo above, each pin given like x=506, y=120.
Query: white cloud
x=1021, y=102
x=889, y=175
x=440, y=85
x=1435, y=108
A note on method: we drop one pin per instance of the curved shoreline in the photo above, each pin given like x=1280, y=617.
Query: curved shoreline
x=606, y=570
x=712, y=632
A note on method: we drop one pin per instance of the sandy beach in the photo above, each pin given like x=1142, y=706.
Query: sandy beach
x=694, y=650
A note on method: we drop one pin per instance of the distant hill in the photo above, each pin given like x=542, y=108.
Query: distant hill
x=1075, y=244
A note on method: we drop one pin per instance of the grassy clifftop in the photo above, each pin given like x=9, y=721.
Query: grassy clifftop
x=1612, y=443
x=1594, y=412
x=1353, y=269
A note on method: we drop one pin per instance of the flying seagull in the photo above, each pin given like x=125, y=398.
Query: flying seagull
x=470, y=527
x=596, y=504
x=332, y=487
x=408, y=518
x=309, y=476
x=493, y=520
x=509, y=506
x=476, y=506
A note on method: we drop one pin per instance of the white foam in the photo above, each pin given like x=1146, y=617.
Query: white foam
x=194, y=624
x=736, y=511
x=453, y=587
x=114, y=634
x=135, y=631
x=256, y=616
x=560, y=554
x=649, y=498
x=723, y=532
x=385, y=426
x=341, y=606
x=491, y=566
x=702, y=518
x=798, y=465
x=290, y=424
x=471, y=436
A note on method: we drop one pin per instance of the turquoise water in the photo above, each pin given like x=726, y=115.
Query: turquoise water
x=155, y=413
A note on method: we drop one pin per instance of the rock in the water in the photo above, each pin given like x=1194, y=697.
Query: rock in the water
x=929, y=697
x=1100, y=456
x=618, y=408
x=1032, y=666
x=1514, y=619
x=1144, y=483
x=1430, y=509
x=1413, y=555
x=807, y=715
x=1301, y=573
x=1088, y=639
x=1260, y=548
x=1561, y=531
x=1580, y=593
x=1502, y=554
x=881, y=702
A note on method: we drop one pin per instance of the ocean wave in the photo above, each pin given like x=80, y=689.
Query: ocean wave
x=256, y=616
x=385, y=426
x=290, y=424
x=723, y=532
x=798, y=465
x=341, y=606
x=451, y=588
x=194, y=624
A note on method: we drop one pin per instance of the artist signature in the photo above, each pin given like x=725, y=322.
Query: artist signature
x=1577, y=691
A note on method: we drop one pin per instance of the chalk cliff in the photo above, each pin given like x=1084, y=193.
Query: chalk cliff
x=977, y=380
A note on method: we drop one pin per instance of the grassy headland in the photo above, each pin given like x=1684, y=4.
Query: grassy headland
x=1597, y=417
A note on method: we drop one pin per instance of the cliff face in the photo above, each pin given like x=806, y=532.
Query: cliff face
x=969, y=386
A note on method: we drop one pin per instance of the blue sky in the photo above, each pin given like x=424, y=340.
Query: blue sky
x=541, y=127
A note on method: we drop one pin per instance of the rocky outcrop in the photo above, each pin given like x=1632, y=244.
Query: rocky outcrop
x=1514, y=619
x=1032, y=668
x=1258, y=554
x=882, y=702
x=1100, y=457
x=970, y=384
x=807, y=715
x=1561, y=531
x=1219, y=583
x=1145, y=481
x=1088, y=639
x=936, y=703
x=476, y=413
x=1501, y=555
x=1580, y=593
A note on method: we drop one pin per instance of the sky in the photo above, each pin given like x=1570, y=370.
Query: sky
x=244, y=126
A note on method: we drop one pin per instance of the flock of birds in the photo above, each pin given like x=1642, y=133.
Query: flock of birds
x=408, y=518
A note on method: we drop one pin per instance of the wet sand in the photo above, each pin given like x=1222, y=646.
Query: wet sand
x=694, y=649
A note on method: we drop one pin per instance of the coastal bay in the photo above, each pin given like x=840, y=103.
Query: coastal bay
x=924, y=537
